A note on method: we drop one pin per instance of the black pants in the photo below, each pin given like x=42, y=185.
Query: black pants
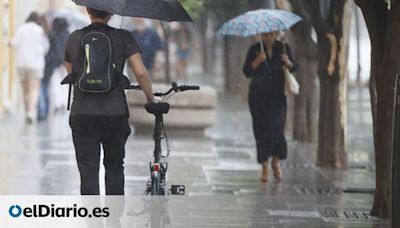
x=89, y=132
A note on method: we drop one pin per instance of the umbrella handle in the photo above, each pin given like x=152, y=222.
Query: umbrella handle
x=262, y=48
x=261, y=44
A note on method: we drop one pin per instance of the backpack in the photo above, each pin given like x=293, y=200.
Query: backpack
x=100, y=73
x=96, y=52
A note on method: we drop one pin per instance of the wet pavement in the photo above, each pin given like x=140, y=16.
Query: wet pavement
x=218, y=168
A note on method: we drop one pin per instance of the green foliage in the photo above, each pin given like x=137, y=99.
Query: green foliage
x=389, y=3
x=194, y=7
x=223, y=9
x=228, y=9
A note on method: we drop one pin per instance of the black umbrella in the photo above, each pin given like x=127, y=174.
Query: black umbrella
x=165, y=10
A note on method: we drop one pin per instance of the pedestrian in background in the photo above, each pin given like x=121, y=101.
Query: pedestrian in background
x=183, y=49
x=267, y=100
x=31, y=45
x=149, y=41
x=53, y=60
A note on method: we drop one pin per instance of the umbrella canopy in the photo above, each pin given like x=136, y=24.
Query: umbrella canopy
x=259, y=21
x=165, y=10
x=75, y=19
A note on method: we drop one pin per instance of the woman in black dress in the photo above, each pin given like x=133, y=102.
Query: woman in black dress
x=267, y=100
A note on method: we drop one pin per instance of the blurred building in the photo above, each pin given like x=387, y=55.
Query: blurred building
x=7, y=10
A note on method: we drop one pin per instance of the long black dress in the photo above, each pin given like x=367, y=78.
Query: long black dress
x=267, y=101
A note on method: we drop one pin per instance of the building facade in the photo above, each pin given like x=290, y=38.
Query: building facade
x=7, y=10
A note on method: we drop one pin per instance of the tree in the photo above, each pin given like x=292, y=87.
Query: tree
x=396, y=161
x=331, y=21
x=193, y=7
x=305, y=49
x=384, y=28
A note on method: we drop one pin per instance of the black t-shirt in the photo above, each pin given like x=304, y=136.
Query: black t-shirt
x=112, y=103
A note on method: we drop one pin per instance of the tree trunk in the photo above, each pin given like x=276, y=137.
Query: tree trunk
x=384, y=28
x=211, y=42
x=306, y=103
x=357, y=24
x=203, y=27
x=235, y=82
x=305, y=50
x=167, y=33
x=208, y=39
x=385, y=83
x=396, y=161
x=333, y=40
x=332, y=123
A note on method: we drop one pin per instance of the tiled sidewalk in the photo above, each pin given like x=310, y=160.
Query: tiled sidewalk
x=219, y=170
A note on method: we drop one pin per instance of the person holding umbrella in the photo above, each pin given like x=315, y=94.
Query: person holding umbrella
x=267, y=99
x=99, y=115
x=102, y=118
x=265, y=64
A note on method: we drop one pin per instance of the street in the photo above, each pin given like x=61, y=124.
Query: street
x=218, y=168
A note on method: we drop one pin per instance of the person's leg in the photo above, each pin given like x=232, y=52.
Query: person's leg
x=33, y=88
x=43, y=102
x=24, y=84
x=280, y=149
x=87, y=149
x=276, y=167
x=116, y=131
x=264, y=172
x=184, y=64
x=260, y=130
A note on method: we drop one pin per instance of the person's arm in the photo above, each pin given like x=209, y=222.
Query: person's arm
x=253, y=61
x=68, y=66
x=45, y=42
x=142, y=76
x=261, y=57
x=289, y=60
x=14, y=42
